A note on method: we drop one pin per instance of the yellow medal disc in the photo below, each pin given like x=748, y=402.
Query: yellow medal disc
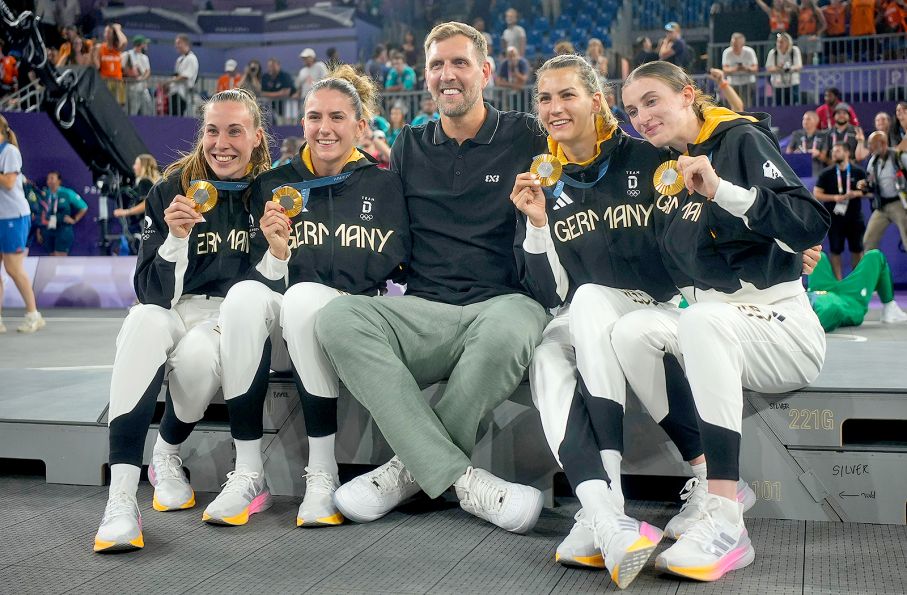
x=203, y=194
x=290, y=199
x=547, y=168
x=668, y=179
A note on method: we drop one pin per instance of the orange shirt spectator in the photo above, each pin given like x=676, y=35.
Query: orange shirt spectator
x=230, y=79
x=895, y=16
x=107, y=57
x=862, y=17
x=836, y=18
x=779, y=21
x=111, y=65
x=9, y=71
x=81, y=56
x=779, y=15
x=807, y=21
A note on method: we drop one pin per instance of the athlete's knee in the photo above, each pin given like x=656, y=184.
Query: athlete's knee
x=635, y=332
x=590, y=304
x=197, y=355
x=247, y=300
x=149, y=321
x=704, y=321
x=341, y=320
x=503, y=342
x=308, y=292
x=874, y=255
x=303, y=301
x=148, y=315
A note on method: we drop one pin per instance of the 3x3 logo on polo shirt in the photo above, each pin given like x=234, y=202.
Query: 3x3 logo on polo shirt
x=492, y=178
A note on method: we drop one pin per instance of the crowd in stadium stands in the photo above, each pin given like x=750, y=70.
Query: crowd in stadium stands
x=516, y=44
x=850, y=165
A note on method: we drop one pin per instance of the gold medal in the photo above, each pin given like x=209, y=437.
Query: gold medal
x=290, y=199
x=547, y=168
x=203, y=194
x=668, y=180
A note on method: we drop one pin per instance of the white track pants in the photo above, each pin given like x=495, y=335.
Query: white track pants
x=723, y=348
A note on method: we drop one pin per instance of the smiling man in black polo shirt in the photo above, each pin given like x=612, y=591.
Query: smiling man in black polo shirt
x=465, y=316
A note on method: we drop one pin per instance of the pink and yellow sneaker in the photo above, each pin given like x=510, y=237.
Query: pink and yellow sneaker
x=121, y=527
x=714, y=545
x=244, y=494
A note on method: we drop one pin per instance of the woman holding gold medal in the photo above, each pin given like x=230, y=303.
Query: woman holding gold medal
x=332, y=223
x=194, y=247
x=592, y=250
x=732, y=243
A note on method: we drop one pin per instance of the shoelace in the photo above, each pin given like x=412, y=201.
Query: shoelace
x=240, y=482
x=393, y=476
x=690, y=495
x=320, y=482
x=583, y=519
x=604, y=528
x=485, y=494
x=704, y=530
x=120, y=504
x=169, y=467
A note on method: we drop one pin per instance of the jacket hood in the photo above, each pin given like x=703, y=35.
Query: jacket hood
x=720, y=120
x=302, y=163
x=605, y=141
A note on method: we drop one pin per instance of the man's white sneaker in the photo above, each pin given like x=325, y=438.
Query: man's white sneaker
x=245, y=493
x=693, y=496
x=33, y=322
x=171, y=488
x=374, y=494
x=121, y=526
x=578, y=548
x=892, y=313
x=625, y=544
x=317, y=508
x=511, y=506
x=716, y=543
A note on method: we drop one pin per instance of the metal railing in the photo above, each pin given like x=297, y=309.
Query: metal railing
x=828, y=50
x=858, y=83
x=289, y=111
x=26, y=99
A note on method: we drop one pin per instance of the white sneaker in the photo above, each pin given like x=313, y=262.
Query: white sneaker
x=511, y=506
x=2, y=327
x=374, y=494
x=578, y=548
x=892, y=313
x=317, y=508
x=33, y=322
x=694, y=494
x=121, y=526
x=171, y=488
x=244, y=494
x=625, y=544
x=716, y=543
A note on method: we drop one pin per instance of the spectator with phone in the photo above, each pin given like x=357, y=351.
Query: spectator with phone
x=740, y=65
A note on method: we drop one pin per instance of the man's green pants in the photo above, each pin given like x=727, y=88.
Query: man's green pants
x=385, y=348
